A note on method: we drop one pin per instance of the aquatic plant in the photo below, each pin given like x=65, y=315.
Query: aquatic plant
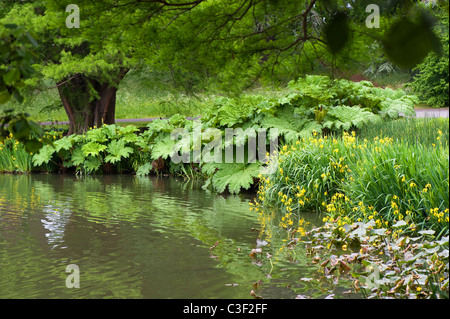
x=384, y=205
x=361, y=180
x=14, y=157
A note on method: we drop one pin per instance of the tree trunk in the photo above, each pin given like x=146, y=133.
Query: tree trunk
x=84, y=108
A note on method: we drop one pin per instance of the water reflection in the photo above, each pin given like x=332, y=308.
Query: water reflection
x=131, y=237
x=137, y=237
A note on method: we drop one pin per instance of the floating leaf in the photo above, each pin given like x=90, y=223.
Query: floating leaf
x=343, y=267
x=427, y=232
x=400, y=223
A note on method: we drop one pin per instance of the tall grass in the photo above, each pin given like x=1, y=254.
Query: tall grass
x=409, y=130
x=388, y=181
x=401, y=182
x=13, y=157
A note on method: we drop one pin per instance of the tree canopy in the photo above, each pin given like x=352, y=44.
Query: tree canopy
x=232, y=41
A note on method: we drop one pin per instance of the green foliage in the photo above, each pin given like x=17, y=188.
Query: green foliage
x=432, y=81
x=93, y=148
x=43, y=156
x=420, y=262
x=236, y=111
x=346, y=117
x=22, y=129
x=65, y=143
x=290, y=126
x=356, y=179
x=411, y=39
x=410, y=130
x=310, y=105
x=117, y=150
x=88, y=153
x=163, y=146
x=321, y=90
x=144, y=169
x=400, y=185
x=14, y=157
x=16, y=59
x=337, y=32
x=294, y=114
x=235, y=176
x=384, y=204
x=260, y=40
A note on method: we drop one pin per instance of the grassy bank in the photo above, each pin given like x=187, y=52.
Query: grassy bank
x=312, y=103
x=381, y=189
x=357, y=179
x=383, y=200
x=140, y=95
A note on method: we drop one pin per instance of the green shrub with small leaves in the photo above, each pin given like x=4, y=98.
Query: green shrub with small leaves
x=432, y=81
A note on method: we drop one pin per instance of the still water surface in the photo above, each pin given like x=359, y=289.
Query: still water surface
x=133, y=237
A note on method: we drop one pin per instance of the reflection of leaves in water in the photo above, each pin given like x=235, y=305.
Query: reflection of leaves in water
x=167, y=204
x=151, y=212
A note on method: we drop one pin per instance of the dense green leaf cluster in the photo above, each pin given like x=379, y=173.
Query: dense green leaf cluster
x=16, y=59
x=312, y=104
x=98, y=148
x=432, y=80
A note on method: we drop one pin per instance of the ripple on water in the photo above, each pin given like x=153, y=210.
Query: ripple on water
x=131, y=238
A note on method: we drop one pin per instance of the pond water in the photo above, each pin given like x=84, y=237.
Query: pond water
x=135, y=237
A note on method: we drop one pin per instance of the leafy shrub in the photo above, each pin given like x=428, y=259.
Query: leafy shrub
x=432, y=81
x=87, y=153
x=312, y=104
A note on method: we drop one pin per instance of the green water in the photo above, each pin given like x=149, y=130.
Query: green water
x=134, y=237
